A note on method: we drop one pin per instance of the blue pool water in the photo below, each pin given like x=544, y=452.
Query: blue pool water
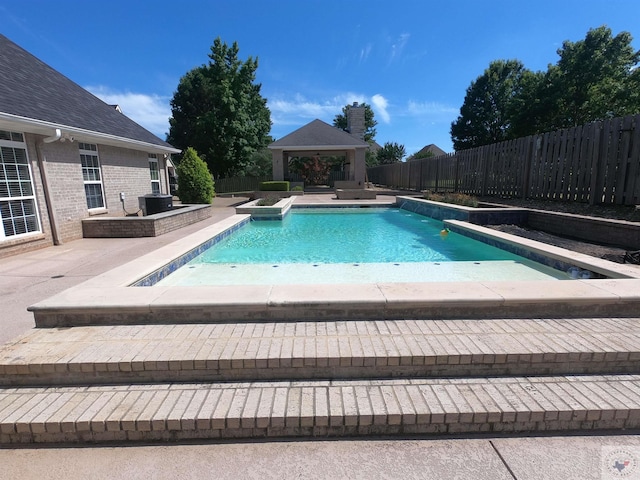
x=348, y=235
x=352, y=245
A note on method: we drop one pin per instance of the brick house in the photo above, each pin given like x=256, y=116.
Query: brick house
x=65, y=155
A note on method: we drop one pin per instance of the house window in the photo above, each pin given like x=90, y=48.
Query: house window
x=155, y=173
x=18, y=208
x=91, y=175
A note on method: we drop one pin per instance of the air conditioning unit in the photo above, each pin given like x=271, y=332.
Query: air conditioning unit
x=151, y=204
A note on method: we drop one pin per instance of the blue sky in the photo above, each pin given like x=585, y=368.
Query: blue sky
x=412, y=60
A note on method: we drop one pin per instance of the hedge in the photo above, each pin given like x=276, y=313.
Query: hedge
x=274, y=186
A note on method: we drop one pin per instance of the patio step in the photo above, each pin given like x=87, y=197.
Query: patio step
x=321, y=350
x=317, y=408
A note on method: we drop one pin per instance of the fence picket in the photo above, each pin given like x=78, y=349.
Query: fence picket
x=623, y=159
x=633, y=180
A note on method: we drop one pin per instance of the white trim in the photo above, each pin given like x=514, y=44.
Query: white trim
x=41, y=127
x=154, y=159
x=85, y=182
x=22, y=146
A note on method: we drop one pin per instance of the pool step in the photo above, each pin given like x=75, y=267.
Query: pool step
x=317, y=408
x=320, y=350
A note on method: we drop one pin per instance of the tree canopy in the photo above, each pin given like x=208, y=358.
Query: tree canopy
x=391, y=152
x=594, y=79
x=484, y=115
x=218, y=110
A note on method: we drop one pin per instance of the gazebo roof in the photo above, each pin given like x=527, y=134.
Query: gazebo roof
x=318, y=135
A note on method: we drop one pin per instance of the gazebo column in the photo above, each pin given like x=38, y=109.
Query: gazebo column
x=285, y=165
x=351, y=162
x=359, y=166
x=277, y=161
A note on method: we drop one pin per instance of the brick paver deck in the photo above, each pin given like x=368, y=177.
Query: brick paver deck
x=160, y=382
x=300, y=350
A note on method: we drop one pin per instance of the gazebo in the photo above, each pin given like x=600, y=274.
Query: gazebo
x=318, y=138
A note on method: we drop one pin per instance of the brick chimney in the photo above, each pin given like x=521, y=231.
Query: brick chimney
x=355, y=120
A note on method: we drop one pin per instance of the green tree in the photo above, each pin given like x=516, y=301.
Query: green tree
x=340, y=121
x=391, y=153
x=594, y=79
x=484, y=115
x=217, y=109
x=371, y=158
x=529, y=109
x=195, y=184
x=260, y=164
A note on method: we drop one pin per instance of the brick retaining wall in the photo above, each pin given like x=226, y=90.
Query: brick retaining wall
x=149, y=226
x=604, y=231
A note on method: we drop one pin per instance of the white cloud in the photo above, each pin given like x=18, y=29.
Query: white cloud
x=150, y=111
x=430, y=109
x=398, y=45
x=380, y=105
x=364, y=53
x=298, y=109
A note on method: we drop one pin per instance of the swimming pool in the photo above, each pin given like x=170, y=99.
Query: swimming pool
x=354, y=245
x=133, y=294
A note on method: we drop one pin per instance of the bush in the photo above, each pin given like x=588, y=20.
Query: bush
x=297, y=189
x=455, y=198
x=274, y=186
x=267, y=201
x=195, y=184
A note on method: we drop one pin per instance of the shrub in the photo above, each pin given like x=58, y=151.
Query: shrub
x=314, y=171
x=297, y=189
x=455, y=198
x=267, y=201
x=274, y=186
x=195, y=184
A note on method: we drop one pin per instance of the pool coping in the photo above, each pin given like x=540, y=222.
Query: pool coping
x=108, y=298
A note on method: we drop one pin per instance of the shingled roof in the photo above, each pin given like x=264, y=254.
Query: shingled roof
x=41, y=99
x=318, y=134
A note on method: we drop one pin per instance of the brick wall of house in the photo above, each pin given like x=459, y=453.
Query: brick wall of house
x=123, y=170
x=64, y=177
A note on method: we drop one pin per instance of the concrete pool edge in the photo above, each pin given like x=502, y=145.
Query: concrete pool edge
x=88, y=305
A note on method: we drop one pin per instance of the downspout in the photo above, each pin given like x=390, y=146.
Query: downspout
x=45, y=185
x=165, y=171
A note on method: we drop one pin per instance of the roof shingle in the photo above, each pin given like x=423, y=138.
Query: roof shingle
x=32, y=89
x=318, y=134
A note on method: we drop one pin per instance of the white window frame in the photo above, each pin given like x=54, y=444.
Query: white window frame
x=154, y=167
x=17, y=203
x=91, y=173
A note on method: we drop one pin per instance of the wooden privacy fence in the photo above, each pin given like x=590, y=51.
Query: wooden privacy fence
x=598, y=163
x=239, y=184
